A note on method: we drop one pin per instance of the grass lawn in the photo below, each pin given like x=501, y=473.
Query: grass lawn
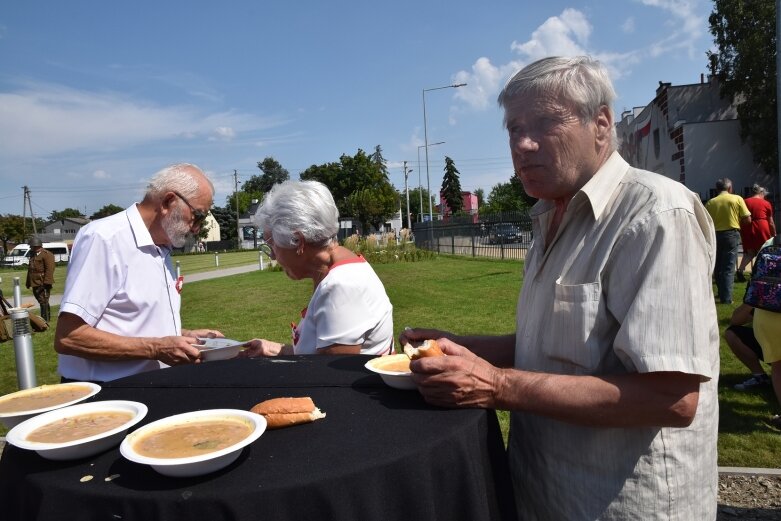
x=462, y=295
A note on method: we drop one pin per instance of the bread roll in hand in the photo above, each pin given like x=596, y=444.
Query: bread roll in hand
x=284, y=412
x=428, y=348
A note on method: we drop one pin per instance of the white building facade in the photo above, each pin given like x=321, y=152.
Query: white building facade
x=690, y=134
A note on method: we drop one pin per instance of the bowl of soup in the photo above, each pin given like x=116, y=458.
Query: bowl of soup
x=77, y=431
x=193, y=443
x=22, y=405
x=394, y=370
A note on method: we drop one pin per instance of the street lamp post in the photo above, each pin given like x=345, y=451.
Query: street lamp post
x=425, y=138
x=406, y=189
x=420, y=186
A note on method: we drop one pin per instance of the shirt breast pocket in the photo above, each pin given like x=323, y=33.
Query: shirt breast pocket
x=575, y=311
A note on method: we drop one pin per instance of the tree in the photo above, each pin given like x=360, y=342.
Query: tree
x=371, y=205
x=745, y=64
x=273, y=173
x=480, y=194
x=11, y=230
x=380, y=161
x=68, y=212
x=451, y=187
x=507, y=197
x=414, y=204
x=226, y=217
x=109, y=209
x=354, y=174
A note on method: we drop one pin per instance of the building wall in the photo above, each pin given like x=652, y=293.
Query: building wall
x=688, y=133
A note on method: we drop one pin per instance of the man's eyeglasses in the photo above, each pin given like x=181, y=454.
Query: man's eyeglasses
x=198, y=215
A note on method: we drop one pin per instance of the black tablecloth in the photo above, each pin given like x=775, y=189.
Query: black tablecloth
x=380, y=453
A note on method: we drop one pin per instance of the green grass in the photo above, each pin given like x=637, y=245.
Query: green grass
x=462, y=295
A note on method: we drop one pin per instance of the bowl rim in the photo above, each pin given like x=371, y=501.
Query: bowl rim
x=257, y=420
x=94, y=389
x=370, y=366
x=17, y=435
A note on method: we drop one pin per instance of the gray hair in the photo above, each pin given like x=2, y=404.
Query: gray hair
x=758, y=189
x=725, y=183
x=306, y=207
x=580, y=80
x=180, y=177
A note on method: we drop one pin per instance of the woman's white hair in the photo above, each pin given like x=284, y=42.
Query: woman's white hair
x=306, y=207
x=180, y=177
x=580, y=80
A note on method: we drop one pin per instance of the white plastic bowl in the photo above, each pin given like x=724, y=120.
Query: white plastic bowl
x=12, y=419
x=194, y=465
x=395, y=379
x=81, y=448
x=218, y=349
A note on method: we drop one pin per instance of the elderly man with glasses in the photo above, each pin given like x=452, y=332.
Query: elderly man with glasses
x=119, y=314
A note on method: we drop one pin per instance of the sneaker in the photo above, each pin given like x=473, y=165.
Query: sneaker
x=741, y=277
x=754, y=382
x=775, y=422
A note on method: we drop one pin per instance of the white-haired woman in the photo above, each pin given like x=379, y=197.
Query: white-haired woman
x=349, y=312
x=754, y=234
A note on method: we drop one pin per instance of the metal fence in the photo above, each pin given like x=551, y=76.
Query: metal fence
x=501, y=236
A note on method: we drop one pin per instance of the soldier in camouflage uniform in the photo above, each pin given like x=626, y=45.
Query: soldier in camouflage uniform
x=40, y=275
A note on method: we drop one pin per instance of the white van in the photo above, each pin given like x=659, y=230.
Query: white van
x=20, y=255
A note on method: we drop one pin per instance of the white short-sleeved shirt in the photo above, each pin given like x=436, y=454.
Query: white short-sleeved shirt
x=119, y=281
x=625, y=287
x=348, y=307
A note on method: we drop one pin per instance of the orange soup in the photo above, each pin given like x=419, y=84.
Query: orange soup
x=400, y=364
x=78, y=427
x=192, y=439
x=40, y=398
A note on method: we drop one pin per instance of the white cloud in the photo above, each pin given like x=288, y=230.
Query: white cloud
x=46, y=119
x=100, y=174
x=568, y=34
x=223, y=134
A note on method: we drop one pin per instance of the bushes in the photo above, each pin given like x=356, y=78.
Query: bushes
x=385, y=249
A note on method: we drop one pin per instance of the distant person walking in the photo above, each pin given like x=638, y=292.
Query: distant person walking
x=762, y=227
x=40, y=275
x=728, y=212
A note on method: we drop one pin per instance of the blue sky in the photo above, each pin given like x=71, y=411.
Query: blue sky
x=97, y=96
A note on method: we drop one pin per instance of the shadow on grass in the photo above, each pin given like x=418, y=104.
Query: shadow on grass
x=744, y=412
x=492, y=274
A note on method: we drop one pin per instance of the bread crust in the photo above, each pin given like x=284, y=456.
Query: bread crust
x=288, y=411
x=428, y=348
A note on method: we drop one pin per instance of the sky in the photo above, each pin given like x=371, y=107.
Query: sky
x=95, y=96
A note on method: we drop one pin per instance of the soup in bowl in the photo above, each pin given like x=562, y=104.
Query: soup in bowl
x=393, y=369
x=193, y=443
x=77, y=431
x=22, y=405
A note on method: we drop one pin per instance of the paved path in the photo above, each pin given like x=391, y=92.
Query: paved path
x=54, y=300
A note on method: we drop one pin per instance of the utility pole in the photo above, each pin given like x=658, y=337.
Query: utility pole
x=27, y=203
x=236, y=192
x=406, y=189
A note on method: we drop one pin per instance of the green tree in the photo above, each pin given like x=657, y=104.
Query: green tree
x=273, y=173
x=745, y=64
x=12, y=229
x=373, y=205
x=68, y=212
x=380, y=161
x=451, y=187
x=507, y=197
x=109, y=209
x=226, y=218
x=414, y=204
x=355, y=174
x=480, y=194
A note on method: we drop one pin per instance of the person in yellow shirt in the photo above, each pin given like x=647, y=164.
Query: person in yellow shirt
x=728, y=212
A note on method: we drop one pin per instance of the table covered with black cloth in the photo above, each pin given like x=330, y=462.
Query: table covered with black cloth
x=380, y=453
